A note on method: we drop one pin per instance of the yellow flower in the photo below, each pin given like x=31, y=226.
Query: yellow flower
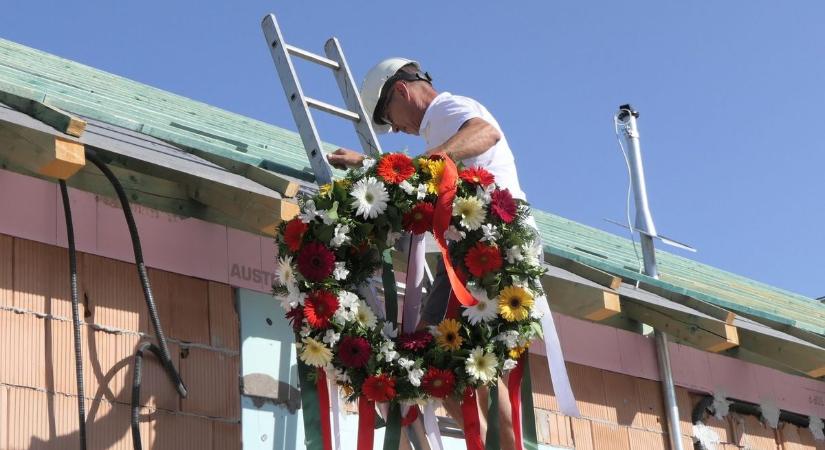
x=325, y=189
x=315, y=353
x=448, y=338
x=516, y=352
x=436, y=172
x=514, y=303
x=471, y=211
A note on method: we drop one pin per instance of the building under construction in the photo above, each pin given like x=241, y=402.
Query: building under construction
x=207, y=188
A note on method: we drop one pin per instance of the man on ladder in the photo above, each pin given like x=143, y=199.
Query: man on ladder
x=398, y=96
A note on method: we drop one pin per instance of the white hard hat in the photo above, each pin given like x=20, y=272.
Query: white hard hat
x=372, y=88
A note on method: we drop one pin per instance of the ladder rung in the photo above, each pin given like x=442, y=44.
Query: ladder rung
x=312, y=57
x=332, y=109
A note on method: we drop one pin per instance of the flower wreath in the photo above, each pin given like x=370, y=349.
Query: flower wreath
x=344, y=234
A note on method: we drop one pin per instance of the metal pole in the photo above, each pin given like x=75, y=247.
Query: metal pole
x=644, y=224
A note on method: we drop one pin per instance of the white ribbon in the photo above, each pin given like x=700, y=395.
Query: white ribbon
x=414, y=283
x=431, y=427
x=335, y=402
x=555, y=362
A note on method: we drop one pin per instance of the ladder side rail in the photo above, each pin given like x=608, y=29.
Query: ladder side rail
x=349, y=90
x=297, y=102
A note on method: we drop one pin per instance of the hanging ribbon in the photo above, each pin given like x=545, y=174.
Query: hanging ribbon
x=530, y=437
x=390, y=293
x=414, y=283
x=514, y=392
x=555, y=362
x=309, y=401
x=493, y=438
x=442, y=215
x=392, y=435
x=410, y=416
x=335, y=402
x=472, y=425
x=323, y=407
x=431, y=427
x=366, y=423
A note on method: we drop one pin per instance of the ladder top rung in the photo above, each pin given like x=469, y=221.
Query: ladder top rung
x=332, y=109
x=312, y=57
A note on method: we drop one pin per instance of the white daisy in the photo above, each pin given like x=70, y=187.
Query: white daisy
x=285, y=272
x=340, y=237
x=514, y=254
x=408, y=188
x=454, y=234
x=481, y=366
x=490, y=233
x=309, y=212
x=365, y=316
x=371, y=197
x=471, y=211
x=483, y=311
x=340, y=272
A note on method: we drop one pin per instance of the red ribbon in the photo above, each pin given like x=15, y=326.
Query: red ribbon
x=366, y=423
x=442, y=215
x=472, y=426
x=412, y=414
x=324, y=406
x=514, y=392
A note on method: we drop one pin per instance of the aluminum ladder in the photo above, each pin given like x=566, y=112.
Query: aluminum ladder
x=300, y=104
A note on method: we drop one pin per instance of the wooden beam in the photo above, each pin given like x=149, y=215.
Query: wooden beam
x=578, y=297
x=702, y=332
x=282, y=184
x=591, y=273
x=41, y=153
x=714, y=311
x=28, y=104
x=800, y=356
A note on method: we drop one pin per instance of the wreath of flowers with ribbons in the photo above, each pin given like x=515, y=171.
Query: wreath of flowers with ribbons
x=345, y=234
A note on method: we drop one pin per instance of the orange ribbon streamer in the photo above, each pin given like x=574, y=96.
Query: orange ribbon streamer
x=441, y=221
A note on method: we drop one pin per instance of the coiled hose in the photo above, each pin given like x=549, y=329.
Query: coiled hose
x=161, y=350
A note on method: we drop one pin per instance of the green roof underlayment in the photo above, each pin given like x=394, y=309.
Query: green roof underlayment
x=89, y=92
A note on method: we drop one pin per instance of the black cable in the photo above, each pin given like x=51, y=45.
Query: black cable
x=136, y=380
x=78, y=359
x=161, y=350
x=142, y=273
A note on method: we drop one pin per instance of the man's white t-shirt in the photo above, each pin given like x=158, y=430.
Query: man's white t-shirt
x=447, y=113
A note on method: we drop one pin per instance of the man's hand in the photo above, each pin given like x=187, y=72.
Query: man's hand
x=345, y=159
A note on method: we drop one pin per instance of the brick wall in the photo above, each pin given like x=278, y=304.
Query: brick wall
x=38, y=406
x=622, y=412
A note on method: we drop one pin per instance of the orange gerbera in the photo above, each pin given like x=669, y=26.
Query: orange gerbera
x=482, y=259
x=395, y=168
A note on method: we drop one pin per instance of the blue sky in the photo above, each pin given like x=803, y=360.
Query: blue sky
x=731, y=96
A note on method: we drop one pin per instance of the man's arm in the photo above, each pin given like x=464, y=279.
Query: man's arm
x=473, y=138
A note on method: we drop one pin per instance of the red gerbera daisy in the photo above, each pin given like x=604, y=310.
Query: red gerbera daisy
x=379, y=388
x=438, y=382
x=319, y=307
x=419, y=219
x=395, y=168
x=296, y=318
x=503, y=205
x=482, y=259
x=294, y=233
x=354, y=351
x=477, y=175
x=316, y=261
x=415, y=341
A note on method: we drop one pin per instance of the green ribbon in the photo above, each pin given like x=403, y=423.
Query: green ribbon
x=309, y=403
x=492, y=420
x=392, y=436
x=390, y=294
x=528, y=413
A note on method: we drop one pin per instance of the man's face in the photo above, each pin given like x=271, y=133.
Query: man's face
x=400, y=110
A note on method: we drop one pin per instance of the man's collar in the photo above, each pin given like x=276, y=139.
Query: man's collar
x=425, y=121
